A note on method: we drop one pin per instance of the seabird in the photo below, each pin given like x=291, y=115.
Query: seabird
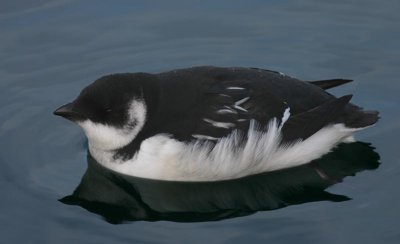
x=211, y=123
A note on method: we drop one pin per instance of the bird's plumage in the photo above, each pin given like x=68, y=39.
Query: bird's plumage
x=327, y=84
x=198, y=114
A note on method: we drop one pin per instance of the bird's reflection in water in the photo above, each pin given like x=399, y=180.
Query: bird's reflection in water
x=120, y=198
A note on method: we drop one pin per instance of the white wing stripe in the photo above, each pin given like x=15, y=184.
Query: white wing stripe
x=219, y=124
x=240, y=108
x=204, y=137
x=241, y=101
x=226, y=111
x=235, y=88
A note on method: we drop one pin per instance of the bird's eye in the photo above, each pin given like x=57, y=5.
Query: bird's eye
x=108, y=110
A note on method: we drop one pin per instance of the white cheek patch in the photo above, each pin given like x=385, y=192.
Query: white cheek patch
x=104, y=137
x=107, y=137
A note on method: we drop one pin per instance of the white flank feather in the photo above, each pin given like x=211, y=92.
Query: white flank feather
x=161, y=157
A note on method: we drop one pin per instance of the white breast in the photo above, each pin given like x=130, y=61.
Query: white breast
x=161, y=157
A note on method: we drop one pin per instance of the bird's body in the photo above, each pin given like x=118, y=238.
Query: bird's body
x=209, y=123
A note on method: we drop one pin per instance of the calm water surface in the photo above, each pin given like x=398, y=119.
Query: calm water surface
x=50, y=50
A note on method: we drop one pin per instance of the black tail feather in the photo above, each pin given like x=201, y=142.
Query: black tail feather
x=303, y=125
x=326, y=84
x=361, y=119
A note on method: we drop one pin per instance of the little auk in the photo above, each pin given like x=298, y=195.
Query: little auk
x=211, y=123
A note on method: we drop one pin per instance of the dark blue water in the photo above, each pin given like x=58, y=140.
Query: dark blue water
x=50, y=50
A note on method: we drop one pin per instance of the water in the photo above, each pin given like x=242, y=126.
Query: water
x=51, y=49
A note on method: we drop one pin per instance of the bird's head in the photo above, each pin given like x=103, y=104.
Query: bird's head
x=111, y=111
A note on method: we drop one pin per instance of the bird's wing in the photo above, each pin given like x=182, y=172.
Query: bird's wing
x=228, y=108
x=303, y=125
x=225, y=107
x=223, y=100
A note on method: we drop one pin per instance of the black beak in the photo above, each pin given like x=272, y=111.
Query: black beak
x=68, y=112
